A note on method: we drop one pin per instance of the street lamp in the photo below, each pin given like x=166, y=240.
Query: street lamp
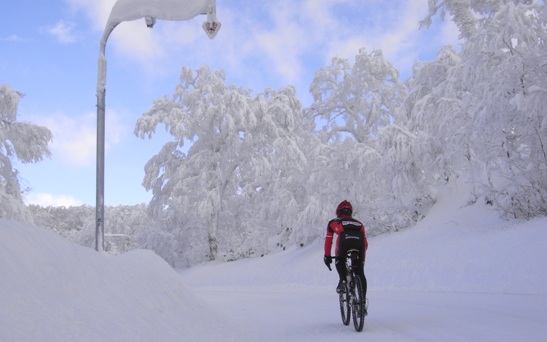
x=128, y=10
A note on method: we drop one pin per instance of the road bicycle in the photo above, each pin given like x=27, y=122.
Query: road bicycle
x=352, y=301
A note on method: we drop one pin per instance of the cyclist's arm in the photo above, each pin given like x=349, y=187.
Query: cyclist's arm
x=328, y=240
x=365, y=236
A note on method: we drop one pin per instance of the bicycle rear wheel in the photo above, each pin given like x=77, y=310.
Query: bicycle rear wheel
x=358, y=304
x=345, y=306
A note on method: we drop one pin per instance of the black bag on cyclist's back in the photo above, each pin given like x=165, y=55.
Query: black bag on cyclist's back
x=351, y=237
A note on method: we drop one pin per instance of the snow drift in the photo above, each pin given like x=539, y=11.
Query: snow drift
x=460, y=274
x=54, y=290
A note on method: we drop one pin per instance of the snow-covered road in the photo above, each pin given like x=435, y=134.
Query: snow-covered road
x=313, y=315
x=446, y=279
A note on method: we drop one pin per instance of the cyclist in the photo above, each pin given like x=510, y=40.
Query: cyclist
x=351, y=235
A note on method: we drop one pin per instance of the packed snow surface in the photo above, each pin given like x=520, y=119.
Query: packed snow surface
x=461, y=274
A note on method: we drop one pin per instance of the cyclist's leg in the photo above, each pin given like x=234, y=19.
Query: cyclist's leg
x=340, y=264
x=341, y=259
x=363, y=281
x=361, y=272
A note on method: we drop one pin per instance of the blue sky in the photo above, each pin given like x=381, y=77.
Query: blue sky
x=50, y=50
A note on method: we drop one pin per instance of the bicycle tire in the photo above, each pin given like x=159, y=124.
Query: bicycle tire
x=345, y=306
x=358, y=304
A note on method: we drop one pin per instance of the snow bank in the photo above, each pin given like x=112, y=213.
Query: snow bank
x=465, y=250
x=463, y=266
x=54, y=290
x=456, y=248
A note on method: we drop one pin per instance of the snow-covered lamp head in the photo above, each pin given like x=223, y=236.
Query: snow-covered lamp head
x=176, y=10
x=150, y=21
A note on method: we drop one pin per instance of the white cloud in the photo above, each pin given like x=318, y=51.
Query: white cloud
x=13, y=38
x=47, y=200
x=75, y=137
x=393, y=28
x=276, y=39
x=133, y=40
x=97, y=11
x=63, y=31
x=283, y=46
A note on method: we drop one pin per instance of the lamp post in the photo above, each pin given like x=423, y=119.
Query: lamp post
x=128, y=10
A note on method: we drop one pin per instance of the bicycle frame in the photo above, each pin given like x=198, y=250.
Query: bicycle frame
x=352, y=262
x=351, y=300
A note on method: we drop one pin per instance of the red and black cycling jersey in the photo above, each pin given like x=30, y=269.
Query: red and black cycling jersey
x=347, y=229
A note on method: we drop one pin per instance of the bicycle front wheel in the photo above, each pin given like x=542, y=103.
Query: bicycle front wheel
x=345, y=306
x=358, y=304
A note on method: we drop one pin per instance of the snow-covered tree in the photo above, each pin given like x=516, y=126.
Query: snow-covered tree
x=234, y=158
x=189, y=183
x=437, y=119
x=66, y=221
x=126, y=226
x=25, y=142
x=358, y=99
x=505, y=71
x=278, y=138
x=494, y=93
x=353, y=105
x=469, y=15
